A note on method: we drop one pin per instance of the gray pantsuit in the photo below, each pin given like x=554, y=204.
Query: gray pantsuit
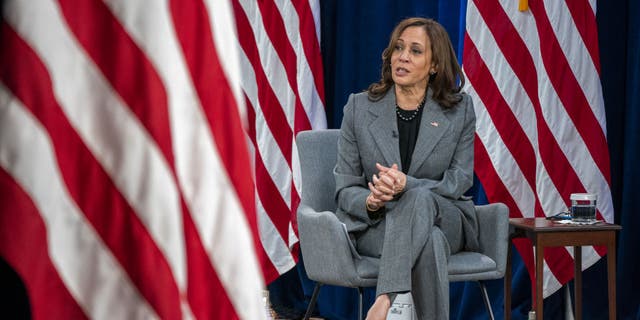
x=431, y=219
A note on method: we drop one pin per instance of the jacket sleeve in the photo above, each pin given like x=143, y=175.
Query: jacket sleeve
x=351, y=184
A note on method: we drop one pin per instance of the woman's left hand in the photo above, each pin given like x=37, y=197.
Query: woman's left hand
x=391, y=179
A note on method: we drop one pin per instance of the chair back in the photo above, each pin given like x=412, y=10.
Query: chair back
x=318, y=155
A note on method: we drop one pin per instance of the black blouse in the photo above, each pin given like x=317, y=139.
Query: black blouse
x=408, y=134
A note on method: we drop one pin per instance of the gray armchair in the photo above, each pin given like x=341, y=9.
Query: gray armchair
x=329, y=256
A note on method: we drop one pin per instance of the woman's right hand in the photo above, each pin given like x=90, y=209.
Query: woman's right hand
x=385, y=185
x=380, y=193
x=376, y=198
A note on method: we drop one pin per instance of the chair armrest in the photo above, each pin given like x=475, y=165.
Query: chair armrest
x=325, y=246
x=493, y=232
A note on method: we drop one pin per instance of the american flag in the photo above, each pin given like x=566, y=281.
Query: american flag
x=533, y=74
x=283, y=86
x=127, y=187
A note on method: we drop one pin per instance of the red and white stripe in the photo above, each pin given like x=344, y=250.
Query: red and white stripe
x=282, y=82
x=540, y=131
x=124, y=190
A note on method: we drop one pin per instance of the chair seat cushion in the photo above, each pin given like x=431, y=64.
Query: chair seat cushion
x=459, y=263
x=470, y=262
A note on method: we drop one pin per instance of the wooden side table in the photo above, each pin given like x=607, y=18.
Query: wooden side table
x=546, y=233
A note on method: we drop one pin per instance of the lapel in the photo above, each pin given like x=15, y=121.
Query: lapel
x=433, y=125
x=384, y=128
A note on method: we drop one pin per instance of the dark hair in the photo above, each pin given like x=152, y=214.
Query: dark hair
x=444, y=82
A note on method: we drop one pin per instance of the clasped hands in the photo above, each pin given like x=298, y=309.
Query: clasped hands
x=388, y=183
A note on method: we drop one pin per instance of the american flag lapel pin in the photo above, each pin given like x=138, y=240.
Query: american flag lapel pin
x=435, y=124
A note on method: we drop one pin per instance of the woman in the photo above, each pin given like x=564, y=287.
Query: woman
x=405, y=158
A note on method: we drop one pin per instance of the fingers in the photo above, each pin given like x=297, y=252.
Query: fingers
x=386, y=181
x=392, y=177
x=376, y=193
x=384, y=184
x=375, y=203
x=382, y=168
x=380, y=193
x=393, y=171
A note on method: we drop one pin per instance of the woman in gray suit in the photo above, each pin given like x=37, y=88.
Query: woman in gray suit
x=405, y=159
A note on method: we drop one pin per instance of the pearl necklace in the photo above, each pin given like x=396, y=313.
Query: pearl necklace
x=413, y=114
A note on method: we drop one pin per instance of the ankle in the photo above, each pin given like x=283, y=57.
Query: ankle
x=384, y=300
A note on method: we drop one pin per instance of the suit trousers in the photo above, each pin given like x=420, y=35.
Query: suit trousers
x=414, y=241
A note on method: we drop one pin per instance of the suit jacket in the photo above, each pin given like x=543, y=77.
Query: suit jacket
x=442, y=160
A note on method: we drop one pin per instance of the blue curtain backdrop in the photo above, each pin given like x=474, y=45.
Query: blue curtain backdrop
x=355, y=32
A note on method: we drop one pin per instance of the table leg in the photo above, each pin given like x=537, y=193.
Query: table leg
x=577, y=267
x=539, y=275
x=611, y=271
x=507, y=285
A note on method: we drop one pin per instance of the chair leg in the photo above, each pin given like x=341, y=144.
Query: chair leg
x=360, y=304
x=485, y=297
x=312, y=303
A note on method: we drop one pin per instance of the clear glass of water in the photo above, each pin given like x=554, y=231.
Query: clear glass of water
x=583, y=207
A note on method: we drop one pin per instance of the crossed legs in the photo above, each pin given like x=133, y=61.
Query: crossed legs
x=414, y=258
